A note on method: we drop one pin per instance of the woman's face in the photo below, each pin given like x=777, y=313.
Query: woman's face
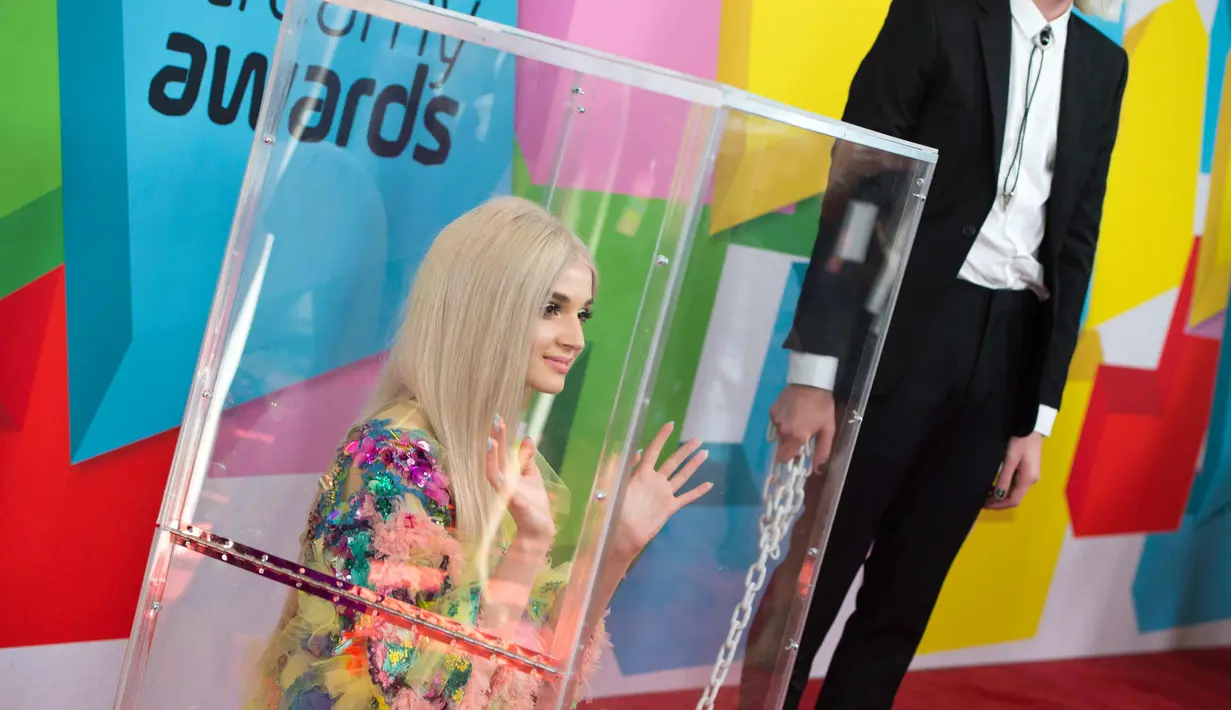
x=558, y=339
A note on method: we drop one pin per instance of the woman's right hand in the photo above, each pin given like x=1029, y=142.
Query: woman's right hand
x=652, y=494
x=521, y=489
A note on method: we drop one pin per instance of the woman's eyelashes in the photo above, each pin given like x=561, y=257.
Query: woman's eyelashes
x=555, y=309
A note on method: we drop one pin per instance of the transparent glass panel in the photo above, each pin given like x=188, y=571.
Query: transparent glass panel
x=629, y=182
x=216, y=618
x=717, y=597
x=338, y=528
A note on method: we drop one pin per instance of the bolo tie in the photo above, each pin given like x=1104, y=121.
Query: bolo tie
x=1039, y=46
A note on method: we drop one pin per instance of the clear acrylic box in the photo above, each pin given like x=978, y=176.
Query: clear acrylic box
x=383, y=121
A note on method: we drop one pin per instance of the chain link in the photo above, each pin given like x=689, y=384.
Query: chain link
x=783, y=496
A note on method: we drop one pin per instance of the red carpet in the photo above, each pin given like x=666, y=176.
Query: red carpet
x=1183, y=680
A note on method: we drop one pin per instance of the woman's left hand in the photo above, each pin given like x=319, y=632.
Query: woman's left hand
x=521, y=489
x=652, y=494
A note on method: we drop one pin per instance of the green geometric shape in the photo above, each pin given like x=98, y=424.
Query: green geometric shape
x=29, y=103
x=31, y=241
x=792, y=234
x=690, y=321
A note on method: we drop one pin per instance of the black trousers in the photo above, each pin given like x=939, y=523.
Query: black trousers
x=927, y=454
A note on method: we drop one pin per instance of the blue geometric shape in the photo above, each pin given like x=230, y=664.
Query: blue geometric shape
x=1184, y=578
x=1212, y=487
x=95, y=169
x=150, y=193
x=1220, y=44
x=705, y=549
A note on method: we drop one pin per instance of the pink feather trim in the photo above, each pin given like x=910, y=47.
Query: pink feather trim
x=514, y=689
x=410, y=700
x=478, y=693
x=411, y=538
x=399, y=575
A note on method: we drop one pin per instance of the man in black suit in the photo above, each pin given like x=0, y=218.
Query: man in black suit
x=1022, y=100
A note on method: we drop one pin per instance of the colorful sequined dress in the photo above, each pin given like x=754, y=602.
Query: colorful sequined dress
x=394, y=535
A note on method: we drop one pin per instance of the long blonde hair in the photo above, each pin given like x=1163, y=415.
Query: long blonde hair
x=463, y=349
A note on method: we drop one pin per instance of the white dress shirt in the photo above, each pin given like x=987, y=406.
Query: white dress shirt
x=1004, y=254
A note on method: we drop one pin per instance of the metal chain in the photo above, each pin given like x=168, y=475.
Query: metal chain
x=783, y=497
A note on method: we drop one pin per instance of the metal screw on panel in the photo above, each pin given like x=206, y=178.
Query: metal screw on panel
x=792, y=646
x=856, y=417
x=661, y=260
x=599, y=495
x=156, y=606
x=268, y=139
x=260, y=570
x=919, y=182
x=207, y=394
x=581, y=109
x=577, y=90
x=813, y=552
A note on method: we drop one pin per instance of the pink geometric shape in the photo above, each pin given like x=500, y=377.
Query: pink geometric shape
x=296, y=429
x=1210, y=328
x=628, y=139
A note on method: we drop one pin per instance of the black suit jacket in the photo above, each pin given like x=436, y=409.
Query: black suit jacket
x=938, y=75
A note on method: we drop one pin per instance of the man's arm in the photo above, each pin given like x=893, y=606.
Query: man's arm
x=892, y=79
x=884, y=96
x=1076, y=259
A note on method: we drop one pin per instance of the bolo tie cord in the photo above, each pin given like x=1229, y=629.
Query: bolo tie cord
x=1015, y=166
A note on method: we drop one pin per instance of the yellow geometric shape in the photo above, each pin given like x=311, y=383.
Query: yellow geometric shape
x=1134, y=33
x=735, y=42
x=998, y=586
x=1086, y=357
x=1214, y=255
x=800, y=52
x=1146, y=232
x=805, y=52
x=764, y=165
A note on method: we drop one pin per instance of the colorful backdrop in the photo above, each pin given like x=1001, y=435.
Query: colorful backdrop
x=109, y=247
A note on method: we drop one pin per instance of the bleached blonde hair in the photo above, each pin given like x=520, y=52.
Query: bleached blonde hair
x=1102, y=9
x=462, y=352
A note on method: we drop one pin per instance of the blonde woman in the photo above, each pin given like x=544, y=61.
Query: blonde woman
x=427, y=503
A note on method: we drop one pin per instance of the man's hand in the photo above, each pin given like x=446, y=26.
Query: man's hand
x=799, y=414
x=1020, y=471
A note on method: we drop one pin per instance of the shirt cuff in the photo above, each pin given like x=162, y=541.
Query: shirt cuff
x=819, y=371
x=1046, y=420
